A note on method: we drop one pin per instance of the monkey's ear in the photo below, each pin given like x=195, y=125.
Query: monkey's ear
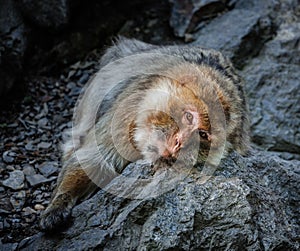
x=185, y=79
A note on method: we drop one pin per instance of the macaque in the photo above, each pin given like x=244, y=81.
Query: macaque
x=174, y=103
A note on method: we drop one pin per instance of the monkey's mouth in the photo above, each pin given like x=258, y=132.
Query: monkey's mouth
x=162, y=155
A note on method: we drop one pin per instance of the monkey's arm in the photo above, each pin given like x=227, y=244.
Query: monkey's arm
x=73, y=183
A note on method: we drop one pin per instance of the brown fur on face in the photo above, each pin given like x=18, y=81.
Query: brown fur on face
x=165, y=131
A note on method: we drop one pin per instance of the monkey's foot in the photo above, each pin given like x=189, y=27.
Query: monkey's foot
x=56, y=215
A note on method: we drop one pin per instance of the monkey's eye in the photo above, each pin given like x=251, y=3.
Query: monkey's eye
x=203, y=134
x=189, y=117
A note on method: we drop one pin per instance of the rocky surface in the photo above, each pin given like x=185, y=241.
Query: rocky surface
x=186, y=15
x=273, y=88
x=244, y=206
x=250, y=203
x=240, y=34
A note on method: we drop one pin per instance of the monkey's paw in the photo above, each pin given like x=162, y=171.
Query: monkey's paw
x=55, y=218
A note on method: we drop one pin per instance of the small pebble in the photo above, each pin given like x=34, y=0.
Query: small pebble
x=15, y=180
x=86, y=65
x=71, y=74
x=44, y=145
x=48, y=168
x=28, y=211
x=30, y=133
x=39, y=207
x=43, y=122
x=71, y=85
x=37, y=179
x=28, y=170
x=40, y=115
x=85, y=77
x=78, y=73
x=75, y=91
x=14, y=125
x=8, y=157
x=44, y=138
x=6, y=224
x=17, y=200
x=152, y=22
x=5, y=206
x=31, y=218
x=10, y=168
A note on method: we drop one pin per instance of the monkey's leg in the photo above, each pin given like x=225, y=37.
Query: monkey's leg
x=73, y=183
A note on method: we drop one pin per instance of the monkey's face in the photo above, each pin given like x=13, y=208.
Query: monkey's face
x=167, y=135
x=194, y=135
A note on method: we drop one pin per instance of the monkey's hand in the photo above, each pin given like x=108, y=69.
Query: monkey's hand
x=57, y=214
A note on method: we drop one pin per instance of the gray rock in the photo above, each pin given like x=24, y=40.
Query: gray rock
x=240, y=34
x=44, y=145
x=84, y=78
x=29, y=146
x=273, y=87
x=48, y=168
x=17, y=200
x=5, y=206
x=8, y=246
x=15, y=180
x=8, y=157
x=186, y=14
x=13, y=44
x=37, y=179
x=42, y=122
x=28, y=170
x=255, y=5
x=10, y=168
x=28, y=211
x=249, y=204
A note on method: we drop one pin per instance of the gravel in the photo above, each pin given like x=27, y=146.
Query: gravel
x=30, y=137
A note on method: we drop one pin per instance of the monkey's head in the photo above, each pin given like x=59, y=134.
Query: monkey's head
x=181, y=131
